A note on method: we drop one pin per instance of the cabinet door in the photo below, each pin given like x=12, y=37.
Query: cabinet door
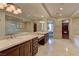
x=13, y=52
x=46, y=38
x=27, y=49
x=22, y=49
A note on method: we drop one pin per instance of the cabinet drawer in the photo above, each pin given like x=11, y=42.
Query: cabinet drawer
x=34, y=46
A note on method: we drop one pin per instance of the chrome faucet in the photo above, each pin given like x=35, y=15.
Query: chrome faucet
x=11, y=36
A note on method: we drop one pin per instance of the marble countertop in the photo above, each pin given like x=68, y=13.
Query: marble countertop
x=8, y=43
x=36, y=34
x=20, y=38
x=39, y=36
x=41, y=32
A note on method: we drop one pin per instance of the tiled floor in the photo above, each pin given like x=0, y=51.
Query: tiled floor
x=58, y=47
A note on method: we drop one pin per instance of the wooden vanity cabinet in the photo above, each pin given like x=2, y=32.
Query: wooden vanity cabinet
x=28, y=48
x=43, y=40
x=46, y=38
x=13, y=52
x=23, y=49
x=34, y=46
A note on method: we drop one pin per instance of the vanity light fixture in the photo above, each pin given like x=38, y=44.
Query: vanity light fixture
x=3, y=5
x=61, y=8
x=10, y=7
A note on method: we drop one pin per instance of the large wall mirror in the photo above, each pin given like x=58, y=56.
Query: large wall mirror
x=13, y=25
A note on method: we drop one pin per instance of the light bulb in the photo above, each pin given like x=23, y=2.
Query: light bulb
x=8, y=9
x=67, y=49
x=19, y=10
x=5, y=4
x=15, y=12
x=42, y=16
x=1, y=6
x=12, y=7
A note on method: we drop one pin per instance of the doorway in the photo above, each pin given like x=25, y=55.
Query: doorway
x=50, y=29
x=65, y=29
x=35, y=27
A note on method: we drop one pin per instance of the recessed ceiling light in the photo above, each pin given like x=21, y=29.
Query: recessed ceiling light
x=67, y=49
x=42, y=16
x=61, y=8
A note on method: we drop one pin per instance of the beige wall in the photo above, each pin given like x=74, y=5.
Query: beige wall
x=70, y=28
x=75, y=26
x=2, y=23
x=29, y=26
x=57, y=28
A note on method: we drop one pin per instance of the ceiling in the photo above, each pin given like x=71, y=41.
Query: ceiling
x=69, y=9
x=48, y=10
x=32, y=11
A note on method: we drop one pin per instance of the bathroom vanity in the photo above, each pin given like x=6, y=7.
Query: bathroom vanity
x=27, y=46
x=23, y=44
